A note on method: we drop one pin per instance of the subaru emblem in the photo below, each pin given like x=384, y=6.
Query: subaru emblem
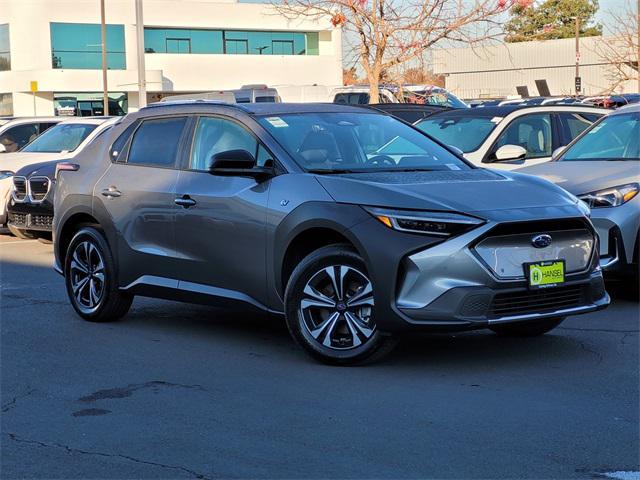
x=541, y=241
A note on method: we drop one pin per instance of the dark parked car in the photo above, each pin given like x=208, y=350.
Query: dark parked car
x=407, y=112
x=30, y=208
x=352, y=224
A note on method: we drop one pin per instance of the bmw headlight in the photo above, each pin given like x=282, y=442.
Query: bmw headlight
x=5, y=174
x=611, y=197
x=443, y=224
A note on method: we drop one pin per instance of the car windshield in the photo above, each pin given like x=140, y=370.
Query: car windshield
x=616, y=137
x=465, y=133
x=64, y=137
x=357, y=142
x=437, y=97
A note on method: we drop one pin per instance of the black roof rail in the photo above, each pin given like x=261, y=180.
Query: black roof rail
x=174, y=103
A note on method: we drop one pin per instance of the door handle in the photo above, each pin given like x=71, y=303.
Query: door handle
x=185, y=201
x=111, y=192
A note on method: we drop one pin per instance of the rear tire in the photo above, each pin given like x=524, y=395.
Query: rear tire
x=527, y=329
x=90, y=278
x=19, y=233
x=329, y=305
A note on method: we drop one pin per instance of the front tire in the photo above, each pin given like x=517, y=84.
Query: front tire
x=329, y=305
x=90, y=278
x=527, y=329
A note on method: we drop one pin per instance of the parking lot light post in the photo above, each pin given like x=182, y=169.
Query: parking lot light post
x=103, y=34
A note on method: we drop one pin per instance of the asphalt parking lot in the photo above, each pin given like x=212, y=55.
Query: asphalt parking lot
x=180, y=391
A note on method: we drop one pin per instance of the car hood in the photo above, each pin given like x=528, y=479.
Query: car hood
x=43, y=169
x=477, y=190
x=586, y=176
x=17, y=160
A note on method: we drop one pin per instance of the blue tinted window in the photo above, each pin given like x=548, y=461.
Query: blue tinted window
x=231, y=42
x=156, y=142
x=5, y=50
x=79, y=45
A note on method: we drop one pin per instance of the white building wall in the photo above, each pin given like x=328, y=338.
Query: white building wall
x=31, y=49
x=496, y=70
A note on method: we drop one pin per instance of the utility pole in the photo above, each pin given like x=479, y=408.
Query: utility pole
x=142, y=74
x=103, y=34
x=578, y=79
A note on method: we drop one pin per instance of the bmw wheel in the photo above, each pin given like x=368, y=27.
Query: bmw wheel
x=90, y=278
x=329, y=308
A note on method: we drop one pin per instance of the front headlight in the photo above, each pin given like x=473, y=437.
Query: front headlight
x=611, y=197
x=443, y=224
x=5, y=174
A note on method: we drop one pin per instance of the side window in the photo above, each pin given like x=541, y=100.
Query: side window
x=17, y=137
x=532, y=132
x=120, y=147
x=214, y=135
x=573, y=124
x=156, y=142
x=43, y=127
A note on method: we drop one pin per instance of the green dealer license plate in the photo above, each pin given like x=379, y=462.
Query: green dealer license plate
x=545, y=274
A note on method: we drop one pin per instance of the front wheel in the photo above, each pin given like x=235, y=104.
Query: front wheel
x=329, y=306
x=90, y=278
x=527, y=329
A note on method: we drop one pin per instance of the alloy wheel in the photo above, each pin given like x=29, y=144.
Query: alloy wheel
x=336, y=307
x=87, y=276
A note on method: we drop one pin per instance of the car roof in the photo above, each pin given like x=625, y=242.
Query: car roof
x=88, y=120
x=504, y=110
x=632, y=107
x=259, y=108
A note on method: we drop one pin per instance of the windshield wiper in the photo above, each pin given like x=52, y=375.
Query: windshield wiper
x=331, y=170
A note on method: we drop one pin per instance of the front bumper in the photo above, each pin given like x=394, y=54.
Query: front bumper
x=618, y=229
x=446, y=286
x=31, y=216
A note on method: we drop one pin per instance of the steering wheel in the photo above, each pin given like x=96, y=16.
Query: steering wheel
x=381, y=160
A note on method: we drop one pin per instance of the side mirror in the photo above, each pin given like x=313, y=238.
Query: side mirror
x=238, y=163
x=3, y=149
x=510, y=152
x=557, y=152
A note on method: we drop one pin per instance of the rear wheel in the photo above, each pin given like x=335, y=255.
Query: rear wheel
x=329, y=305
x=17, y=232
x=90, y=278
x=527, y=329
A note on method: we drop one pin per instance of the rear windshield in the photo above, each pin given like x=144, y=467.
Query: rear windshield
x=465, y=133
x=61, y=138
x=357, y=142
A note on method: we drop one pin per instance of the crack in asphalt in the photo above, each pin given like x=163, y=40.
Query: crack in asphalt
x=123, y=392
x=593, y=352
x=13, y=402
x=69, y=449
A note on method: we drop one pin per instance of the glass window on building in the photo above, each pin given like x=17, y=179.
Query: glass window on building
x=230, y=42
x=5, y=50
x=89, y=104
x=78, y=46
x=6, y=105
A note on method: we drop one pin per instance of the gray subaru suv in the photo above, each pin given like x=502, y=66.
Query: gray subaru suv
x=353, y=225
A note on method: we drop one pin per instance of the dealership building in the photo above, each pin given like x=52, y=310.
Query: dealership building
x=51, y=60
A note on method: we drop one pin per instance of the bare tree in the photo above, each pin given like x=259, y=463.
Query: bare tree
x=388, y=33
x=621, y=48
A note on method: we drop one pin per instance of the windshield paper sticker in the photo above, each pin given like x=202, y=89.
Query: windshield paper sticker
x=453, y=166
x=277, y=122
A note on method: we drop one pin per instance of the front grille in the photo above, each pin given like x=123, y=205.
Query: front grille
x=18, y=219
x=42, y=220
x=38, y=187
x=537, y=301
x=19, y=188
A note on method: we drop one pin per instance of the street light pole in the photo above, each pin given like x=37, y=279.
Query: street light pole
x=103, y=34
x=142, y=76
x=578, y=55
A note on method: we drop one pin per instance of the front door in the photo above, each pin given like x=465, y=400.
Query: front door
x=138, y=193
x=220, y=227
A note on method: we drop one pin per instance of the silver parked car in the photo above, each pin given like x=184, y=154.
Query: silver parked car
x=602, y=167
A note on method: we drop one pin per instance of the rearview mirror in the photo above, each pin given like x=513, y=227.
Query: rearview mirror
x=557, y=152
x=510, y=152
x=237, y=163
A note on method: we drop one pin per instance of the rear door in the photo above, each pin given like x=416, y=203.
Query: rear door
x=138, y=191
